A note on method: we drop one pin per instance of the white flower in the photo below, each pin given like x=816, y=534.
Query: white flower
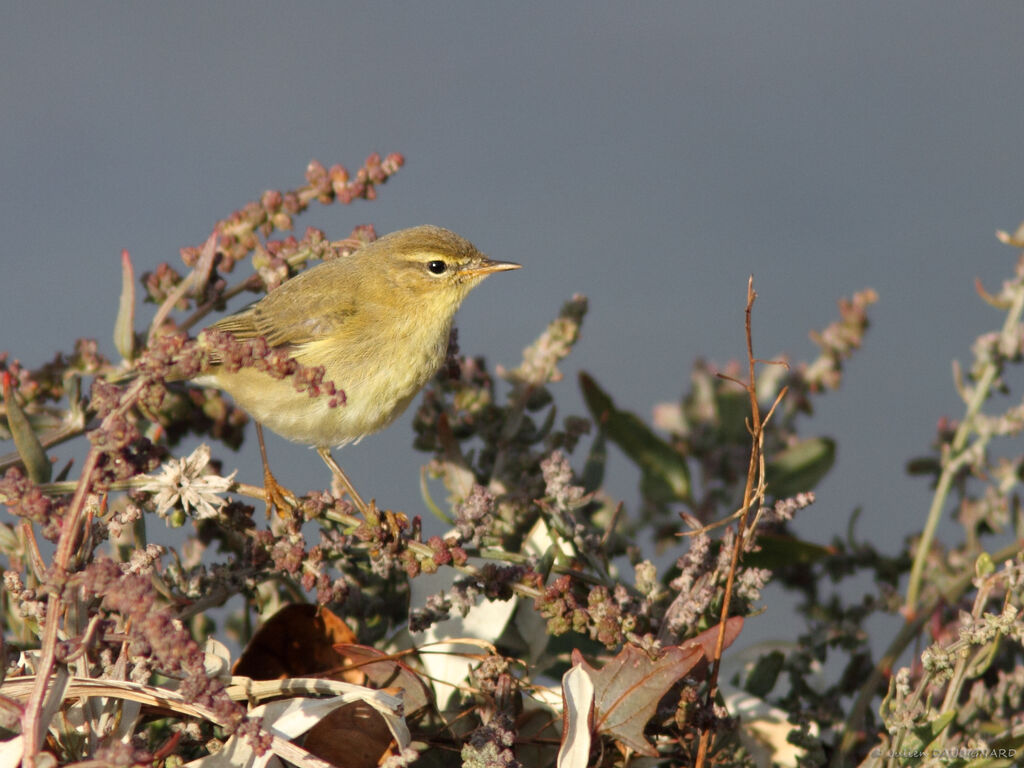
x=186, y=481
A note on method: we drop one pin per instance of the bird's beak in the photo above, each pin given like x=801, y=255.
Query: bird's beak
x=488, y=266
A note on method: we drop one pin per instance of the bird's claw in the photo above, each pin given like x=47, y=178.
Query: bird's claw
x=278, y=497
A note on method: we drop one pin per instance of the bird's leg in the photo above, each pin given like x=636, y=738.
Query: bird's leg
x=325, y=454
x=278, y=497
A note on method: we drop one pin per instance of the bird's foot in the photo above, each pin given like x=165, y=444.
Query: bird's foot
x=277, y=496
x=342, y=478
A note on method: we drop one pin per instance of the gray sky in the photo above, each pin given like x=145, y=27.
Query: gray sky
x=650, y=156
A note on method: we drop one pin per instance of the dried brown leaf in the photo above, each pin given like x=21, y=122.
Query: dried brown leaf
x=628, y=688
x=298, y=641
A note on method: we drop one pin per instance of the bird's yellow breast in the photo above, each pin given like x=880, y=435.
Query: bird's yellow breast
x=379, y=381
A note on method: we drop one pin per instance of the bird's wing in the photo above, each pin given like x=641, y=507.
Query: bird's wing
x=300, y=311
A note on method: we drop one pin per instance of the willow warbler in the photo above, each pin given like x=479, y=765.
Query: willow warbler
x=378, y=321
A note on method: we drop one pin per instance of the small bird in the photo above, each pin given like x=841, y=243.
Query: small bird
x=378, y=321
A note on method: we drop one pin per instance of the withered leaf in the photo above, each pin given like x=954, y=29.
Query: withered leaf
x=628, y=688
x=352, y=736
x=297, y=641
x=385, y=671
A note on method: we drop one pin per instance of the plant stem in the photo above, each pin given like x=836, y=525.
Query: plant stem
x=957, y=455
x=883, y=668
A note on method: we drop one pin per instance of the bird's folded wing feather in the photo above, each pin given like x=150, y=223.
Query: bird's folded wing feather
x=299, y=312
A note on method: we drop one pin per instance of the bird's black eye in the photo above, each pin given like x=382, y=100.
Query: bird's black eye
x=437, y=267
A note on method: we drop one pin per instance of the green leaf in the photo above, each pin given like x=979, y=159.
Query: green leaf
x=983, y=657
x=593, y=471
x=924, y=465
x=124, y=326
x=765, y=673
x=733, y=410
x=1002, y=753
x=665, y=472
x=778, y=551
x=984, y=566
x=25, y=439
x=993, y=762
x=800, y=467
x=923, y=735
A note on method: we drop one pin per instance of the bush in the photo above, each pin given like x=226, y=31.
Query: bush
x=112, y=655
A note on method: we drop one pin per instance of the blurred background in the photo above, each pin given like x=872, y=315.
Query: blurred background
x=651, y=157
